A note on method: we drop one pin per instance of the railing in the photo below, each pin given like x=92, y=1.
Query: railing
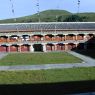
x=40, y=42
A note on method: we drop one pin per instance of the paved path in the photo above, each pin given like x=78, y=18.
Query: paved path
x=43, y=67
x=3, y=55
x=88, y=62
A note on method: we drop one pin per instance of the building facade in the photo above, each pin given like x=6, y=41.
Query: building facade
x=47, y=36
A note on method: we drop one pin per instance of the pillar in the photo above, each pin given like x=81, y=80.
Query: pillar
x=19, y=48
x=65, y=37
x=8, y=48
x=55, y=45
x=85, y=37
x=44, y=47
x=19, y=39
x=31, y=48
x=73, y=37
x=76, y=37
x=76, y=45
x=8, y=39
x=44, y=38
x=66, y=47
x=41, y=38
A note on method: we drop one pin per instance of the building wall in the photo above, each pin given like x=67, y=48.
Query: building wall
x=53, y=42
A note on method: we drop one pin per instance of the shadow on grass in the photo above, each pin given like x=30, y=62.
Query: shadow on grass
x=90, y=53
x=48, y=88
x=89, y=49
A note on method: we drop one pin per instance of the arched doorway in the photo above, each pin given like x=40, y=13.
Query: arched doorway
x=25, y=48
x=25, y=37
x=3, y=48
x=13, y=38
x=49, y=37
x=14, y=48
x=37, y=37
x=90, y=37
x=80, y=37
x=38, y=47
x=70, y=37
x=50, y=47
x=60, y=47
x=71, y=46
x=3, y=38
x=60, y=37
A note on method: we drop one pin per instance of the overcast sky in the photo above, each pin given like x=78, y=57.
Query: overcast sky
x=28, y=7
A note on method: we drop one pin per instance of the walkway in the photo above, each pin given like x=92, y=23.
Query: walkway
x=88, y=62
x=3, y=55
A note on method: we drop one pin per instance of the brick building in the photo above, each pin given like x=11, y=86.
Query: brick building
x=46, y=36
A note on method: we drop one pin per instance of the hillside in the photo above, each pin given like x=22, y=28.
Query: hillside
x=90, y=16
x=49, y=16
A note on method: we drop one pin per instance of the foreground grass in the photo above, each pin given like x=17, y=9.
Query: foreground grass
x=47, y=76
x=38, y=58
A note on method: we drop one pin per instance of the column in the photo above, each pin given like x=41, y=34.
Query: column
x=66, y=47
x=9, y=48
x=31, y=48
x=73, y=37
x=55, y=45
x=8, y=39
x=31, y=39
x=42, y=38
x=65, y=37
x=76, y=45
x=85, y=37
x=19, y=48
x=44, y=47
x=54, y=39
x=19, y=39
x=76, y=37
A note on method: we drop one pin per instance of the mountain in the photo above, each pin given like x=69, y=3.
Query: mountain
x=48, y=16
x=45, y=16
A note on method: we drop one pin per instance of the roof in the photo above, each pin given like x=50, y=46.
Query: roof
x=48, y=26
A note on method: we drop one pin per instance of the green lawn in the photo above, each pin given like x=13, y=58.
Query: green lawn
x=47, y=76
x=38, y=58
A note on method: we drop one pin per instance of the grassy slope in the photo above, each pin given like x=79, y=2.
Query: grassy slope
x=48, y=16
x=38, y=58
x=47, y=76
x=90, y=16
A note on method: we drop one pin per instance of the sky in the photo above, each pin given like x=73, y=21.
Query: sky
x=29, y=7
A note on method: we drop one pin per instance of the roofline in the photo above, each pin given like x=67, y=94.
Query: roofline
x=45, y=23
x=29, y=30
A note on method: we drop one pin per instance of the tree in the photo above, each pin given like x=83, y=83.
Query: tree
x=72, y=18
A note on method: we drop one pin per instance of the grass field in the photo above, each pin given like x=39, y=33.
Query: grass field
x=38, y=58
x=47, y=76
